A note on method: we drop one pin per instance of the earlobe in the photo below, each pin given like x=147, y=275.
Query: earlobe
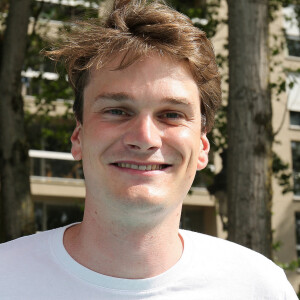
x=76, y=142
x=203, y=153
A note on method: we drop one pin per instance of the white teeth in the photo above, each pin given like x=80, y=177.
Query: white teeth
x=140, y=167
x=156, y=167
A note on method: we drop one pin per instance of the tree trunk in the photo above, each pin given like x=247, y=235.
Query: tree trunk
x=249, y=186
x=16, y=209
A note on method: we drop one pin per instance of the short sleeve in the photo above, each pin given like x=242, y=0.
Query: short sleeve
x=289, y=291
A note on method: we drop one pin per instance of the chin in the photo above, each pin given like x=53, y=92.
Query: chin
x=148, y=202
x=141, y=197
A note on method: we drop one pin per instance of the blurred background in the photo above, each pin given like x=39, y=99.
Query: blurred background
x=46, y=189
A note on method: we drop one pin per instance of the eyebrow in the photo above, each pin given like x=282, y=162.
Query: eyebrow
x=177, y=101
x=114, y=96
x=120, y=97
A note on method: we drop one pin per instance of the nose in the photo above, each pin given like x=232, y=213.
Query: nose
x=143, y=134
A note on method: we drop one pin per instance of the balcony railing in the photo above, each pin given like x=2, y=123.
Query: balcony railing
x=54, y=164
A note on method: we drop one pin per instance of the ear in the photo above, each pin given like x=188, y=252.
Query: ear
x=76, y=142
x=203, y=153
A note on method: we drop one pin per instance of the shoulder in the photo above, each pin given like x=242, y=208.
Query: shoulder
x=28, y=265
x=21, y=251
x=239, y=267
x=224, y=249
x=22, y=242
x=25, y=242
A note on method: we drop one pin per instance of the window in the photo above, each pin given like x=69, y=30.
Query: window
x=296, y=166
x=192, y=218
x=297, y=220
x=204, y=178
x=293, y=45
x=50, y=216
x=293, y=103
x=292, y=31
x=295, y=118
x=201, y=179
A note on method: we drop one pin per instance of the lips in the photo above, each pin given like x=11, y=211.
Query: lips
x=141, y=167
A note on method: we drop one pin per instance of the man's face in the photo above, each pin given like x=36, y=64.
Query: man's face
x=141, y=140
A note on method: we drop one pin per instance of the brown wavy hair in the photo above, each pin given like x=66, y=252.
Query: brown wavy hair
x=138, y=28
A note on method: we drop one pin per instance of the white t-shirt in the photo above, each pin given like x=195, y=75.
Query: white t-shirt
x=39, y=267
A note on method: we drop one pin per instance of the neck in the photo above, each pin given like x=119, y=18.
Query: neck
x=133, y=252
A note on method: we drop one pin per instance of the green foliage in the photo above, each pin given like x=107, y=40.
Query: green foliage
x=282, y=173
x=275, y=5
x=291, y=266
x=50, y=133
x=276, y=246
x=205, y=13
x=221, y=60
x=46, y=128
x=204, y=178
x=64, y=13
x=51, y=90
x=218, y=136
x=210, y=28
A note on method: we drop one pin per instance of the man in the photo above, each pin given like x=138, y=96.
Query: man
x=147, y=87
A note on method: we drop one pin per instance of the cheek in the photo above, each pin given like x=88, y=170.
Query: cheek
x=186, y=142
x=101, y=139
x=97, y=130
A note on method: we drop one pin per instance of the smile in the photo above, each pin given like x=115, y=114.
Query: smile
x=141, y=167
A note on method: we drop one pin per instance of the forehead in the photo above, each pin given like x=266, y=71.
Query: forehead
x=154, y=71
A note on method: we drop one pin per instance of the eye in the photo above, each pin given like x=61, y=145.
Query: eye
x=172, y=115
x=116, y=112
x=172, y=118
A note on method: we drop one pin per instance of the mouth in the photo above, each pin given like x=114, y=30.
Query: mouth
x=142, y=167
